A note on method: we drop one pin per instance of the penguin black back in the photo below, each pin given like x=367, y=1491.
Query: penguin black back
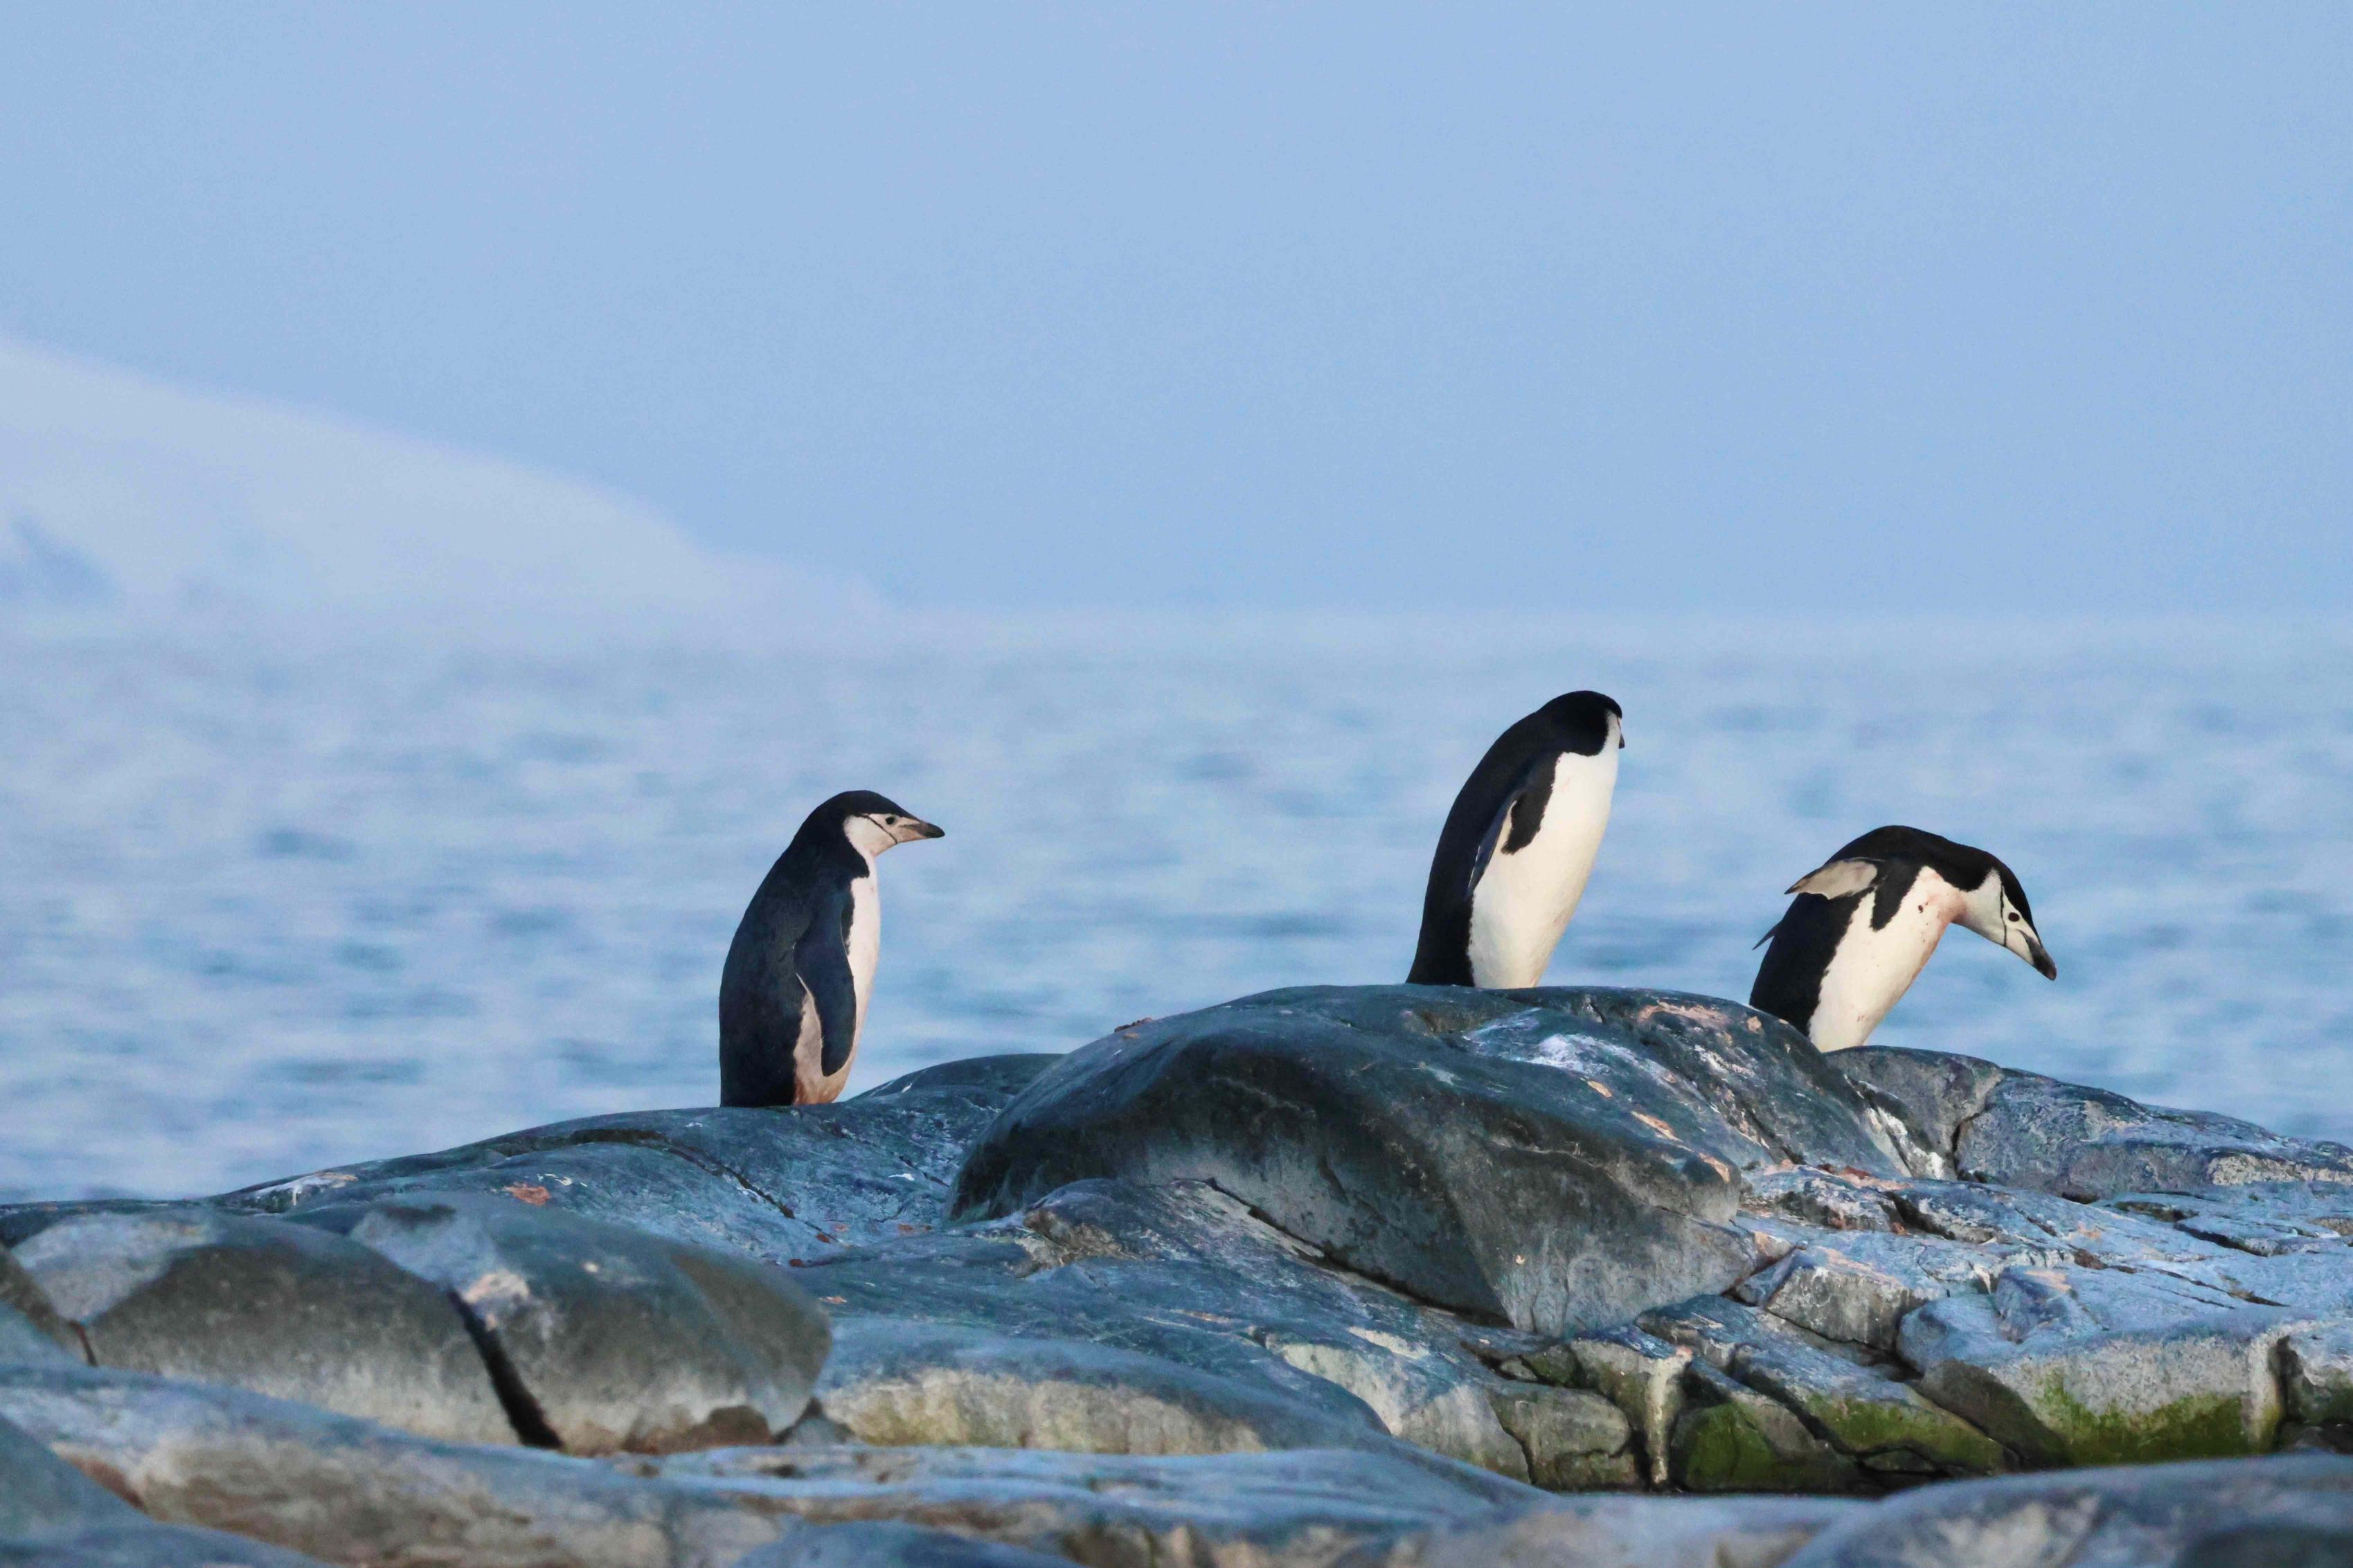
x=1501, y=809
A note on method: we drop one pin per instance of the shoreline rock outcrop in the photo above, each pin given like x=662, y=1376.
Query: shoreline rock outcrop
x=1323, y=1275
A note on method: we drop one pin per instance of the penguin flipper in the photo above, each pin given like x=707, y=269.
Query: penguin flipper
x=823, y=961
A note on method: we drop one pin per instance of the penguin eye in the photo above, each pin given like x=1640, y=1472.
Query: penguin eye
x=2013, y=914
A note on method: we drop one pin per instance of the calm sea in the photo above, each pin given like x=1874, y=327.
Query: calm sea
x=266, y=906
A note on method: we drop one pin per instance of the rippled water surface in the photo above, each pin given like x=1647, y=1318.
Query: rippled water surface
x=265, y=908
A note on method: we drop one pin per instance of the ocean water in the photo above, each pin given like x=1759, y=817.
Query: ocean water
x=274, y=901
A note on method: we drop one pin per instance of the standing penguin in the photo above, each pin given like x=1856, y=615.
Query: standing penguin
x=793, y=998
x=1861, y=929
x=1518, y=846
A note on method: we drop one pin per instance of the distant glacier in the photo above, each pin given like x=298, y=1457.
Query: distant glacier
x=118, y=491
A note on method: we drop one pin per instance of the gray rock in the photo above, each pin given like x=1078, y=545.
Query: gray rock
x=2316, y=1373
x=1730, y=1437
x=21, y=1341
x=2326, y=1544
x=2140, y=1517
x=1557, y=1159
x=353, y=1492
x=2077, y=1366
x=1188, y=1275
x=25, y=1306
x=279, y=1309
x=145, y=1545
x=1295, y=1509
x=40, y=1493
x=350, y=1491
x=890, y=1546
x=1575, y=1441
x=605, y=1339
x=1936, y=1092
x=1858, y=1288
x=2022, y=1129
x=52, y=1514
x=1642, y=1376
x=785, y=1183
x=890, y=1382
x=1625, y=1532
x=1884, y=1427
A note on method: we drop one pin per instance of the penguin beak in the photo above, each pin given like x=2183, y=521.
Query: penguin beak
x=2028, y=946
x=915, y=828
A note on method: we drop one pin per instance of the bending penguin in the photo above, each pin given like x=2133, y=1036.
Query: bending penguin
x=1862, y=927
x=1518, y=846
x=793, y=998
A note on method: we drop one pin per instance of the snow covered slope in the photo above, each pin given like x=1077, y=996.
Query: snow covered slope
x=119, y=491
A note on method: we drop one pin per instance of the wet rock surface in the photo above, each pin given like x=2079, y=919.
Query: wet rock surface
x=1324, y=1276
x=1553, y=1159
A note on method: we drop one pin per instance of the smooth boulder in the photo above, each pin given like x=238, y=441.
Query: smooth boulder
x=1558, y=1159
x=282, y=1309
x=605, y=1339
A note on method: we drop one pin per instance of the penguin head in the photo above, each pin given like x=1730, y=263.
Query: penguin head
x=1589, y=722
x=1987, y=895
x=1996, y=910
x=873, y=823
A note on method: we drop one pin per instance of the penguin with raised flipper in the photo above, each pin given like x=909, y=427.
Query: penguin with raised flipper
x=1861, y=928
x=1518, y=846
x=792, y=999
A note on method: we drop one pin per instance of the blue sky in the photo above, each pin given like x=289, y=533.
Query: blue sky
x=1811, y=311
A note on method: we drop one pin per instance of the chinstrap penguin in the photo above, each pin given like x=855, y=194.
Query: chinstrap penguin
x=792, y=996
x=1518, y=846
x=1862, y=927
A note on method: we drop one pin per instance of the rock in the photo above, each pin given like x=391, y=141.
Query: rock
x=1295, y=1508
x=2316, y=1373
x=1729, y=1438
x=604, y=1339
x=1885, y=1429
x=1642, y=1376
x=21, y=1341
x=53, y=1515
x=282, y=1309
x=891, y=1383
x=1575, y=1441
x=2022, y=1129
x=2087, y=1366
x=352, y=1492
x=2141, y=1517
x=1857, y=1288
x=40, y=1493
x=26, y=1309
x=785, y=1184
x=1188, y=1275
x=1625, y=1532
x=890, y=1546
x=1560, y=1160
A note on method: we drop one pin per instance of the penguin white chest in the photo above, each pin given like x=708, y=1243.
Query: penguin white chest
x=863, y=944
x=865, y=940
x=1872, y=969
x=1524, y=898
